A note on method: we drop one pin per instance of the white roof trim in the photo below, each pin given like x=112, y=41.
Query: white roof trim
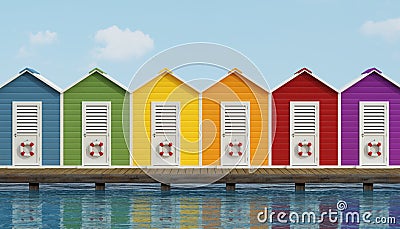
x=238, y=73
x=38, y=76
x=163, y=72
x=311, y=74
x=101, y=73
x=365, y=75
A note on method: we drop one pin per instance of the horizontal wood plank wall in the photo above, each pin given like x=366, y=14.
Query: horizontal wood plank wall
x=235, y=88
x=94, y=88
x=28, y=88
x=371, y=88
x=305, y=88
x=165, y=88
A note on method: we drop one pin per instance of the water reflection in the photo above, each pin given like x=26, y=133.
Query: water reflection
x=207, y=207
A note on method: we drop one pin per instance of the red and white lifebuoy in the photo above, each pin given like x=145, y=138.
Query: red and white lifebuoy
x=377, y=153
x=300, y=148
x=31, y=152
x=94, y=144
x=239, y=152
x=161, y=149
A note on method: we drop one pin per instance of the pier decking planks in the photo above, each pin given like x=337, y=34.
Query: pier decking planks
x=184, y=175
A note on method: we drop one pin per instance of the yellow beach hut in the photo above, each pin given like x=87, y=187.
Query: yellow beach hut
x=165, y=128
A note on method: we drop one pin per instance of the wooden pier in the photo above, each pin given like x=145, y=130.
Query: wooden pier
x=168, y=176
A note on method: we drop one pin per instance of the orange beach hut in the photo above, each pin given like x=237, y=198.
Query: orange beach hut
x=235, y=122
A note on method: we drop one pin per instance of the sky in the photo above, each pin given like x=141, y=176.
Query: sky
x=64, y=40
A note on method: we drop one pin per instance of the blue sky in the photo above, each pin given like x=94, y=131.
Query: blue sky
x=337, y=40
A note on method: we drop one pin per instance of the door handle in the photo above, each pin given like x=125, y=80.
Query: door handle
x=362, y=135
x=84, y=135
x=223, y=135
x=154, y=135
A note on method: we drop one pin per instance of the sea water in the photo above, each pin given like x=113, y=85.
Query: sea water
x=145, y=206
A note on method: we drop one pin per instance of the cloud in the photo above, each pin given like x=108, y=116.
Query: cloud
x=43, y=37
x=388, y=29
x=117, y=44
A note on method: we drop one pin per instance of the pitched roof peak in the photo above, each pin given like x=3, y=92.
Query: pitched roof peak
x=303, y=69
x=31, y=70
x=371, y=70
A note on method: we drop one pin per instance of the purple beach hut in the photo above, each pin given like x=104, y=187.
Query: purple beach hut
x=370, y=121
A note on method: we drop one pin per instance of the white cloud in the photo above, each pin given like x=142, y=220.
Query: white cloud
x=117, y=44
x=43, y=37
x=388, y=29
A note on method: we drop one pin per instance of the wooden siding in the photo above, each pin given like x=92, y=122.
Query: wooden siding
x=166, y=88
x=28, y=88
x=235, y=88
x=371, y=88
x=305, y=88
x=94, y=88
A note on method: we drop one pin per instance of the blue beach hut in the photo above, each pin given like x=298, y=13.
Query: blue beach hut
x=30, y=121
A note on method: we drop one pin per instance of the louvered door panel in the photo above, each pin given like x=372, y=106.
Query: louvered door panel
x=26, y=131
x=304, y=118
x=234, y=132
x=27, y=118
x=165, y=130
x=373, y=130
x=235, y=118
x=96, y=118
x=374, y=118
x=165, y=119
x=96, y=126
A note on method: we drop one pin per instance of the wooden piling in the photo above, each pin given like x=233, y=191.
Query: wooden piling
x=100, y=186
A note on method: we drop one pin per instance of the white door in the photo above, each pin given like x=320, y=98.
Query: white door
x=165, y=129
x=96, y=137
x=235, y=137
x=304, y=131
x=373, y=133
x=27, y=119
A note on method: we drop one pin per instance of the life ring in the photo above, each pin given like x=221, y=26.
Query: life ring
x=375, y=154
x=161, y=149
x=91, y=149
x=239, y=153
x=300, y=146
x=25, y=144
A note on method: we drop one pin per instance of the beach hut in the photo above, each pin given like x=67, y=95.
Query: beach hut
x=93, y=127
x=235, y=122
x=370, y=117
x=165, y=117
x=305, y=121
x=29, y=120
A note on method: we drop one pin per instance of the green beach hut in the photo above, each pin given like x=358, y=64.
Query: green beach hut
x=93, y=122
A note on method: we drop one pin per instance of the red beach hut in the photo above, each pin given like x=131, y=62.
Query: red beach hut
x=305, y=122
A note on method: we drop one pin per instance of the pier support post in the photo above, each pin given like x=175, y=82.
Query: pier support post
x=300, y=187
x=33, y=186
x=368, y=187
x=100, y=186
x=165, y=187
x=230, y=187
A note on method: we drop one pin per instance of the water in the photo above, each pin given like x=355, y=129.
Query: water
x=145, y=206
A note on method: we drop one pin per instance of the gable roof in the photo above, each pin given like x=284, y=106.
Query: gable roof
x=163, y=72
x=36, y=75
x=309, y=72
x=102, y=73
x=238, y=73
x=367, y=73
